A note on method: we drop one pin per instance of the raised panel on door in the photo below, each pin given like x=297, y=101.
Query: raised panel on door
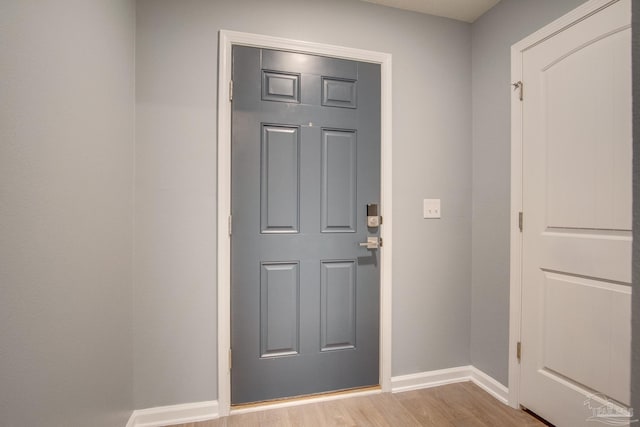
x=589, y=157
x=338, y=305
x=305, y=163
x=279, y=309
x=339, y=92
x=577, y=231
x=585, y=328
x=339, y=175
x=280, y=179
x=280, y=87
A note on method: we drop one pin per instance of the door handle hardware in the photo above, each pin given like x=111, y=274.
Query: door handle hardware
x=519, y=86
x=371, y=243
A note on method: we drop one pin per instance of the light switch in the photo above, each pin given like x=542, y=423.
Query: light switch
x=431, y=208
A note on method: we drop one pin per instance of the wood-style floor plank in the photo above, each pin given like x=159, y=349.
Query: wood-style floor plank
x=453, y=405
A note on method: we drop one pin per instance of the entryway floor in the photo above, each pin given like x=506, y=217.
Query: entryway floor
x=453, y=405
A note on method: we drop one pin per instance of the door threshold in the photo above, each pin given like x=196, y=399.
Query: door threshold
x=284, y=402
x=537, y=417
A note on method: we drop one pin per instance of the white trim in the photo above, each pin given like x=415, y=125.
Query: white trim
x=578, y=14
x=490, y=385
x=430, y=379
x=449, y=376
x=515, y=271
x=227, y=39
x=515, y=304
x=204, y=411
x=304, y=401
x=224, y=210
x=174, y=414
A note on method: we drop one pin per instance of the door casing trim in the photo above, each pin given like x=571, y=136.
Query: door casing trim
x=515, y=286
x=226, y=40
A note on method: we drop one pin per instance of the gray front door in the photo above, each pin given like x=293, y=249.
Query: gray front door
x=305, y=295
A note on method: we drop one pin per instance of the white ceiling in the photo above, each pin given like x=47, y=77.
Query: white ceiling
x=462, y=10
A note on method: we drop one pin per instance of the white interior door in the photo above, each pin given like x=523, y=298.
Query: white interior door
x=576, y=259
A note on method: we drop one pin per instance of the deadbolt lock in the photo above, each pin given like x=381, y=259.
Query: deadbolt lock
x=373, y=217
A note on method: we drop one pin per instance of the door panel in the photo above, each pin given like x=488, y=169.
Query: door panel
x=280, y=179
x=281, y=87
x=588, y=149
x=338, y=305
x=279, y=309
x=305, y=163
x=576, y=290
x=339, y=171
x=339, y=93
x=576, y=358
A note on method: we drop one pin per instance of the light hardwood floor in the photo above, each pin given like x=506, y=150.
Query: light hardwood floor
x=454, y=405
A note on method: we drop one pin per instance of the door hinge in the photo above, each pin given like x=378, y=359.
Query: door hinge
x=520, y=221
x=519, y=351
x=230, y=224
x=519, y=86
x=230, y=360
x=380, y=241
x=230, y=90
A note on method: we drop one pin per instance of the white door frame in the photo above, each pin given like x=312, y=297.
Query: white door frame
x=515, y=303
x=227, y=40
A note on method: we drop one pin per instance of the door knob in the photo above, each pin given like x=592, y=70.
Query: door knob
x=371, y=243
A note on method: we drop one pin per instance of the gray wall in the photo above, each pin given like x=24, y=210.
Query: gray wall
x=175, y=274
x=635, y=316
x=66, y=179
x=492, y=36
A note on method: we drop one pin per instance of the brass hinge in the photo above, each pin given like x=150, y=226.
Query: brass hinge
x=380, y=219
x=230, y=224
x=519, y=351
x=520, y=219
x=519, y=86
x=230, y=90
x=230, y=360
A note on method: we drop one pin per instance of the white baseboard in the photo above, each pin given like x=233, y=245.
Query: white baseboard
x=203, y=411
x=490, y=385
x=174, y=414
x=430, y=379
x=449, y=376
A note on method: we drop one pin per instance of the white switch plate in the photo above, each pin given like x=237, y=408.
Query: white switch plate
x=431, y=208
